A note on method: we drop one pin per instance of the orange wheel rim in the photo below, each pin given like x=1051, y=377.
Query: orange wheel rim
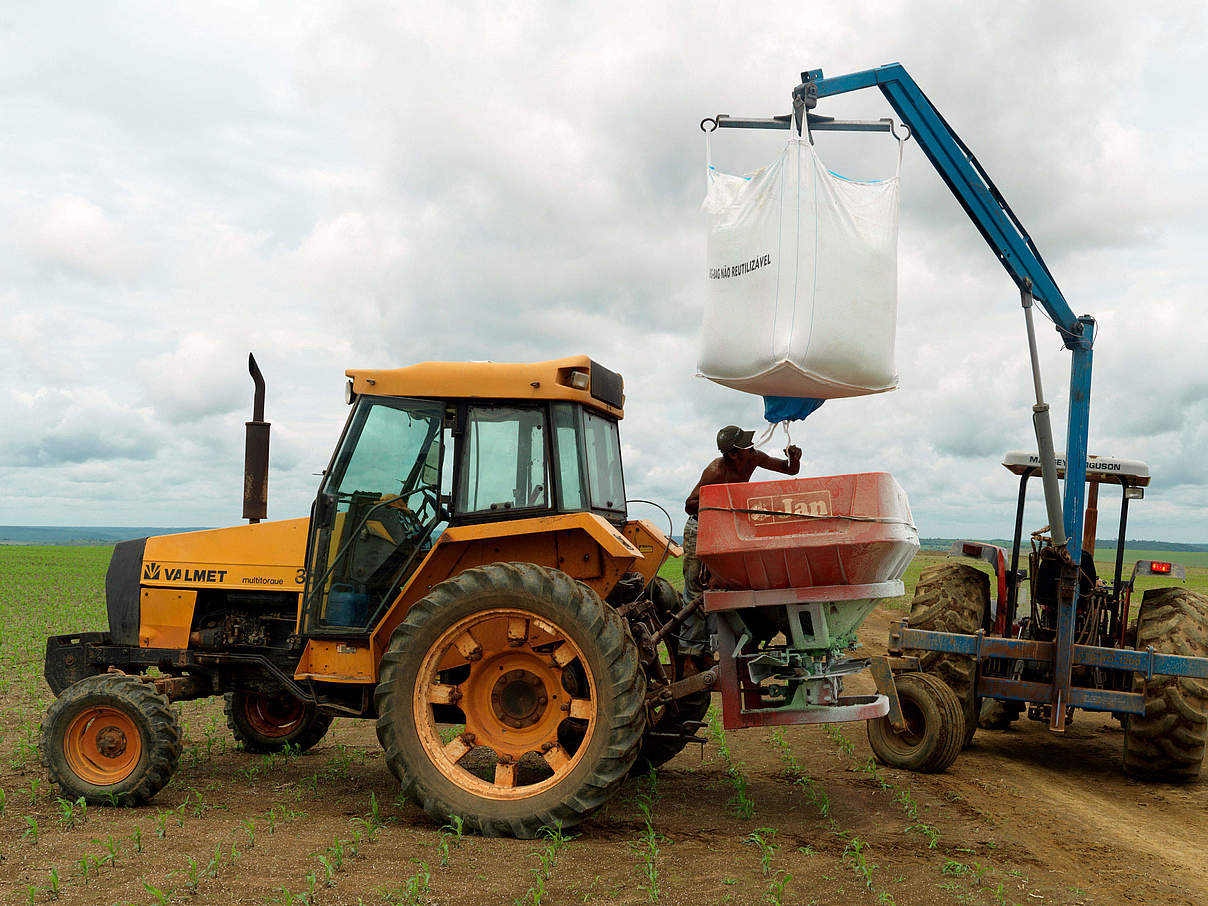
x=273, y=715
x=527, y=727
x=102, y=745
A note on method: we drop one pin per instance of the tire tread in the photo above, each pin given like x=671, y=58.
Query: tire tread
x=1168, y=741
x=163, y=742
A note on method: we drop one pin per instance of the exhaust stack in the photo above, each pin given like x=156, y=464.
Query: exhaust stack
x=255, y=454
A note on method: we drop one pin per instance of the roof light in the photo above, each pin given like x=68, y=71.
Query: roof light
x=579, y=380
x=1158, y=567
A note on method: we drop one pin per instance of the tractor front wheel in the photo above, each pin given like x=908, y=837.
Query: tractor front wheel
x=548, y=681
x=935, y=726
x=269, y=723
x=1167, y=742
x=111, y=739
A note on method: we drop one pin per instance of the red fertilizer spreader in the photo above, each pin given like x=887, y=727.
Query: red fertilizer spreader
x=795, y=567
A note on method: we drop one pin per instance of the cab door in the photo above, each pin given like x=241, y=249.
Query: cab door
x=375, y=513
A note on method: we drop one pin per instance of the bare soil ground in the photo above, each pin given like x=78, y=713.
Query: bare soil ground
x=1023, y=817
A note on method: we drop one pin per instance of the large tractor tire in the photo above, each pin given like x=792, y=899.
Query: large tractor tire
x=1167, y=742
x=548, y=679
x=678, y=717
x=952, y=597
x=111, y=739
x=935, y=726
x=269, y=723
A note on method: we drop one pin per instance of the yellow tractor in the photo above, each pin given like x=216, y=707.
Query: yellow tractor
x=468, y=578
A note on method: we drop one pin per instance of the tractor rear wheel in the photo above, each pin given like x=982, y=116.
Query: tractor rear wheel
x=549, y=683
x=935, y=726
x=1168, y=741
x=111, y=739
x=952, y=597
x=269, y=723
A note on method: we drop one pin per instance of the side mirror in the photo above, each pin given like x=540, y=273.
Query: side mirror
x=324, y=509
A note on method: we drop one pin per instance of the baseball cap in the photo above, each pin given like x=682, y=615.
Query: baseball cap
x=732, y=437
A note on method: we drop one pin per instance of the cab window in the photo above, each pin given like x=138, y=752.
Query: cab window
x=504, y=464
x=602, y=443
x=566, y=450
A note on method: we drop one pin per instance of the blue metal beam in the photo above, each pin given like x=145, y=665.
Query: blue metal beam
x=1078, y=697
x=1075, y=494
x=982, y=647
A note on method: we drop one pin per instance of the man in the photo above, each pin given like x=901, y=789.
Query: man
x=738, y=460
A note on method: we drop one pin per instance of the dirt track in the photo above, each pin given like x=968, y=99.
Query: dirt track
x=1062, y=805
x=1022, y=817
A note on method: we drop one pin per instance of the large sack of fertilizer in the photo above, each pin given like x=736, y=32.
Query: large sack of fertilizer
x=802, y=280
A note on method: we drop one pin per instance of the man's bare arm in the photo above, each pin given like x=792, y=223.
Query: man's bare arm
x=790, y=466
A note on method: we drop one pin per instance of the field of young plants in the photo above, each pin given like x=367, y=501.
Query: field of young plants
x=800, y=815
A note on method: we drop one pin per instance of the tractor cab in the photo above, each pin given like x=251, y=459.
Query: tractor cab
x=1016, y=587
x=444, y=444
x=1097, y=597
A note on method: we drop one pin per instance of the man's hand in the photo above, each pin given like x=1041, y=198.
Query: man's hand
x=793, y=453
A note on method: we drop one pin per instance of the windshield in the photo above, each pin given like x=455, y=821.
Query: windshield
x=388, y=449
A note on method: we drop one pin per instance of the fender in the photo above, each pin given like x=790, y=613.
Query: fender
x=584, y=546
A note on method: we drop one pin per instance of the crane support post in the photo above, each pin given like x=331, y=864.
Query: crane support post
x=1075, y=494
x=1076, y=434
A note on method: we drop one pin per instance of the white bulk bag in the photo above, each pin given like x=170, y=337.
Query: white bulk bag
x=802, y=284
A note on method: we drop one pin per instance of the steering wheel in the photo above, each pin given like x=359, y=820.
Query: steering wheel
x=410, y=526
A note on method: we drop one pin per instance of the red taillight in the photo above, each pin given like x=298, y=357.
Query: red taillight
x=972, y=550
x=1156, y=567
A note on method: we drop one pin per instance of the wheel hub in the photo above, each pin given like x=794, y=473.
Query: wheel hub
x=273, y=715
x=518, y=698
x=103, y=745
x=111, y=742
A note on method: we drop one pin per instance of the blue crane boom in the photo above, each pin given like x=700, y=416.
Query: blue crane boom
x=1010, y=242
x=1007, y=238
x=964, y=176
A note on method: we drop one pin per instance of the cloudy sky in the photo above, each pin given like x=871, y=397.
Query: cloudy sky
x=372, y=184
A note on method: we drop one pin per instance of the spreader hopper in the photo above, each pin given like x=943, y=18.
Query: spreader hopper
x=795, y=567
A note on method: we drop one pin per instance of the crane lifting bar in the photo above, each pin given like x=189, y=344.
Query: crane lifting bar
x=815, y=123
x=805, y=98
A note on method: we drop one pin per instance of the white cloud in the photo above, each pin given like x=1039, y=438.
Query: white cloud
x=50, y=426
x=195, y=379
x=72, y=235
